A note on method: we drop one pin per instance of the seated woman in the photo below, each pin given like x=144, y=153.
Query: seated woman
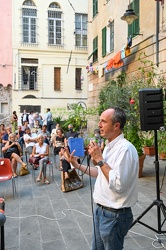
x=41, y=149
x=58, y=141
x=12, y=151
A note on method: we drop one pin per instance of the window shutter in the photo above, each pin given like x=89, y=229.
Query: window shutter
x=95, y=49
x=78, y=78
x=133, y=29
x=136, y=9
x=57, y=78
x=95, y=7
x=104, y=41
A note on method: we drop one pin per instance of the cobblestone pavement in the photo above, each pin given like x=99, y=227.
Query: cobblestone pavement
x=42, y=217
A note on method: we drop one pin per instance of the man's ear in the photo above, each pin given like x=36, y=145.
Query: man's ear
x=117, y=125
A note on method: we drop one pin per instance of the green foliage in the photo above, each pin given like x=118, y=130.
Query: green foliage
x=148, y=138
x=161, y=141
x=133, y=136
x=120, y=91
x=78, y=116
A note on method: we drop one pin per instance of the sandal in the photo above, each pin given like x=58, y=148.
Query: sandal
x=15, y=175
x=46, y=182
x=38, y=179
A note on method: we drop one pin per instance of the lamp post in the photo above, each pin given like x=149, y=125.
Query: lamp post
x=129, y=16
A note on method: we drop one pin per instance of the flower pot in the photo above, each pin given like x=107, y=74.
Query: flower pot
x=162, y=156
x=149, y=150
x=141, y=164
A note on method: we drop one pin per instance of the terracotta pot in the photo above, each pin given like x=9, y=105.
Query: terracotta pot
x=141, y=164
x=149, y=150
x=162, y=156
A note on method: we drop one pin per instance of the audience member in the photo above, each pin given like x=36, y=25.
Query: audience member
x=45, y=134
x=41, y=149
x=25, y=125
x=48, y=119
x=5, y=137
x=20, y=138
x=97, y=138
x=70, y=134
x=66, y=166
x=2, y=131
x=29, y=140
x=37, y=126
x=54, y=131
x=24, y=117
x=59, y=141
x=12, y=151
x=14, y=121
x=31, y=119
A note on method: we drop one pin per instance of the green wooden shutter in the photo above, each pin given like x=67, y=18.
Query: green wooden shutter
x=95, y=49
x=95, y=7
x=133, y=29
x=104, y=30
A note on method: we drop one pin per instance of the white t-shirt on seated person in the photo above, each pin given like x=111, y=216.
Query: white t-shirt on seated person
x=26, y=136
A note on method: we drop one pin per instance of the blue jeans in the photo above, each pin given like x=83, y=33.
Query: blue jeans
x=110, y=228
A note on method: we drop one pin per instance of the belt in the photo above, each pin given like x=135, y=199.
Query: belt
x=119, y=210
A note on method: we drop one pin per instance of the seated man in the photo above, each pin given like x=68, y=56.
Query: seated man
x=45, y=134
x=20, y=138
x=29, y=140
x=5, y=137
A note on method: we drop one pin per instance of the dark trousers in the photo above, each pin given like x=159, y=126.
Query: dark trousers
x=49, y=123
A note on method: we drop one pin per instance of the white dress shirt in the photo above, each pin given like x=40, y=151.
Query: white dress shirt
x=121, y=190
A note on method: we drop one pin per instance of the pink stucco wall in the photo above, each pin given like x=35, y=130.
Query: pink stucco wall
x=6, y=42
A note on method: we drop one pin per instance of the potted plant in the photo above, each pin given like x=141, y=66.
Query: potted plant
x=162, y=144
x=148, y=143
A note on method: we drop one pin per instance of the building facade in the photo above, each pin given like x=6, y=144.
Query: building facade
x=109, y=37
x=49, y=55
x=5, y=61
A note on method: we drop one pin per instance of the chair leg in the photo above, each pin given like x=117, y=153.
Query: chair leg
x=13, y=186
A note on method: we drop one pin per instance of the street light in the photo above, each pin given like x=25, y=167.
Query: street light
x=129, y=16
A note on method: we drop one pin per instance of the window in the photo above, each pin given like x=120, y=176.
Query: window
x=29, y=74
x=78, y=78
x=95, y=49
x=81, y=30
x=54, y=24
x=95, y=7
x=133, y=29
x=29, y=14
x=57, y=79
x=29, y=108
x=29, y=78
x=111, y=36
x=104, y=33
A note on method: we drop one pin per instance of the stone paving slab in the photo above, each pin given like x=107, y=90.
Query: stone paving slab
x=45, y=218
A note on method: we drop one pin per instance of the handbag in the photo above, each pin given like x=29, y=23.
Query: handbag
x=24, y=171
x=12, y=150
x=34, y=160
x=74, y=182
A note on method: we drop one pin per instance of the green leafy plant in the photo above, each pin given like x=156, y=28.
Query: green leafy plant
x=148, y=139
x=161, y=141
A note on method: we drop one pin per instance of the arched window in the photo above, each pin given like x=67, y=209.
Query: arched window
x=29, y=15
x=54, y=24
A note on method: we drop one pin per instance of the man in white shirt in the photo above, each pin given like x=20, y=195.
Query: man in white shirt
x=116, y=172
x=31, y=119
x=30, y=140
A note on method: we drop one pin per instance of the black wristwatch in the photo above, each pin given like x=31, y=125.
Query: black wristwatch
x=100, y=163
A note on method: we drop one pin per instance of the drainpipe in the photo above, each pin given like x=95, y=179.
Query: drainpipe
x=157, y=33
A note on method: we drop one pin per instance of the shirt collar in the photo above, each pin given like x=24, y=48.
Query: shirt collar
x=112, y=143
